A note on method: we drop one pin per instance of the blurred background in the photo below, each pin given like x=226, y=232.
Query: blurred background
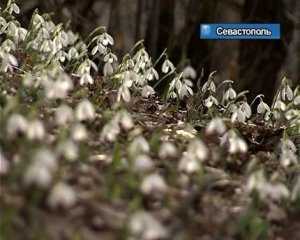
x=174, y=24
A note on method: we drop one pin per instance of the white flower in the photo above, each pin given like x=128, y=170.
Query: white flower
x=297, y=100
x=79, y=132
x=216, y=125
x=209, y=85
x=147, y=91
x=287, y=93
x=85, y=111
x=86, y=78
x=189, y=72
x=143, y=226
x=288, y=153
x=16, y=124
x=238, y=116
x=69, y=150
x=198, y=149
x=210, y=101
x=189, y=164
x=139, y=146
x=263, y=108
x=110, y=131
x=38, y=175
x=35, y=130
x=58, y=89
x=62, y=195
x=4, y=164
x=108, y=69
x=151, y=74
x=167, y=150
x=40, y=171
x=63, y=114
x=280, y=105
x=167, y=66
x=185, y=88
x=8, y=62
x=123, y=92
x=142, y=163
x=106, y=39
x=229, y=95
x=236, y=144
x=246, y=109
x=126, y=120
x=153, y=184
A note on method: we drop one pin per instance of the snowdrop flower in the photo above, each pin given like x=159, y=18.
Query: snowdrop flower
x=139, y=146
x=273, y=191
x=143, y=226
x=85, y=111
x=167, y=150
x=167, y=66
x=236, y=144
x=40, y=171
x=79, y=132
x=69, y=150
x=288, y=153
x=14, y=8
x=106, y=39
x=126, y=120
x=262, y=107
x=210, y=101
x=189, y=164
x=147, y=91
x=246, y=109
x=72, y=54
x=198, y=149
x=86, y=78
x=35, y=130
x=58, y=89
x=297, y=100
x=39, y=176
x=238, y=116
x=279, y=105
x=4, y=164
x=142, y=163
x=189, y=72
x=216, y=126
x=229, y=95
x=110, y=131
x=153, y=184
x=62, y=195
x=108, y=69
x=185, y=89
x=209, y=86
x=63, y=114
x=8, y=62
x=16, y=124
x=151, y=74
x=123, y=92
x=287, y=93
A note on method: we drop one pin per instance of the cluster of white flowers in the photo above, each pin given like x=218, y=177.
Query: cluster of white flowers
x=62, y=195
x=144, y=226
x=192, y=159
x=181, y=85
x=121, y=120
x=288, y=153
x=267, y=190
x=41, y=169
x=235, y=143
x=18, y=124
